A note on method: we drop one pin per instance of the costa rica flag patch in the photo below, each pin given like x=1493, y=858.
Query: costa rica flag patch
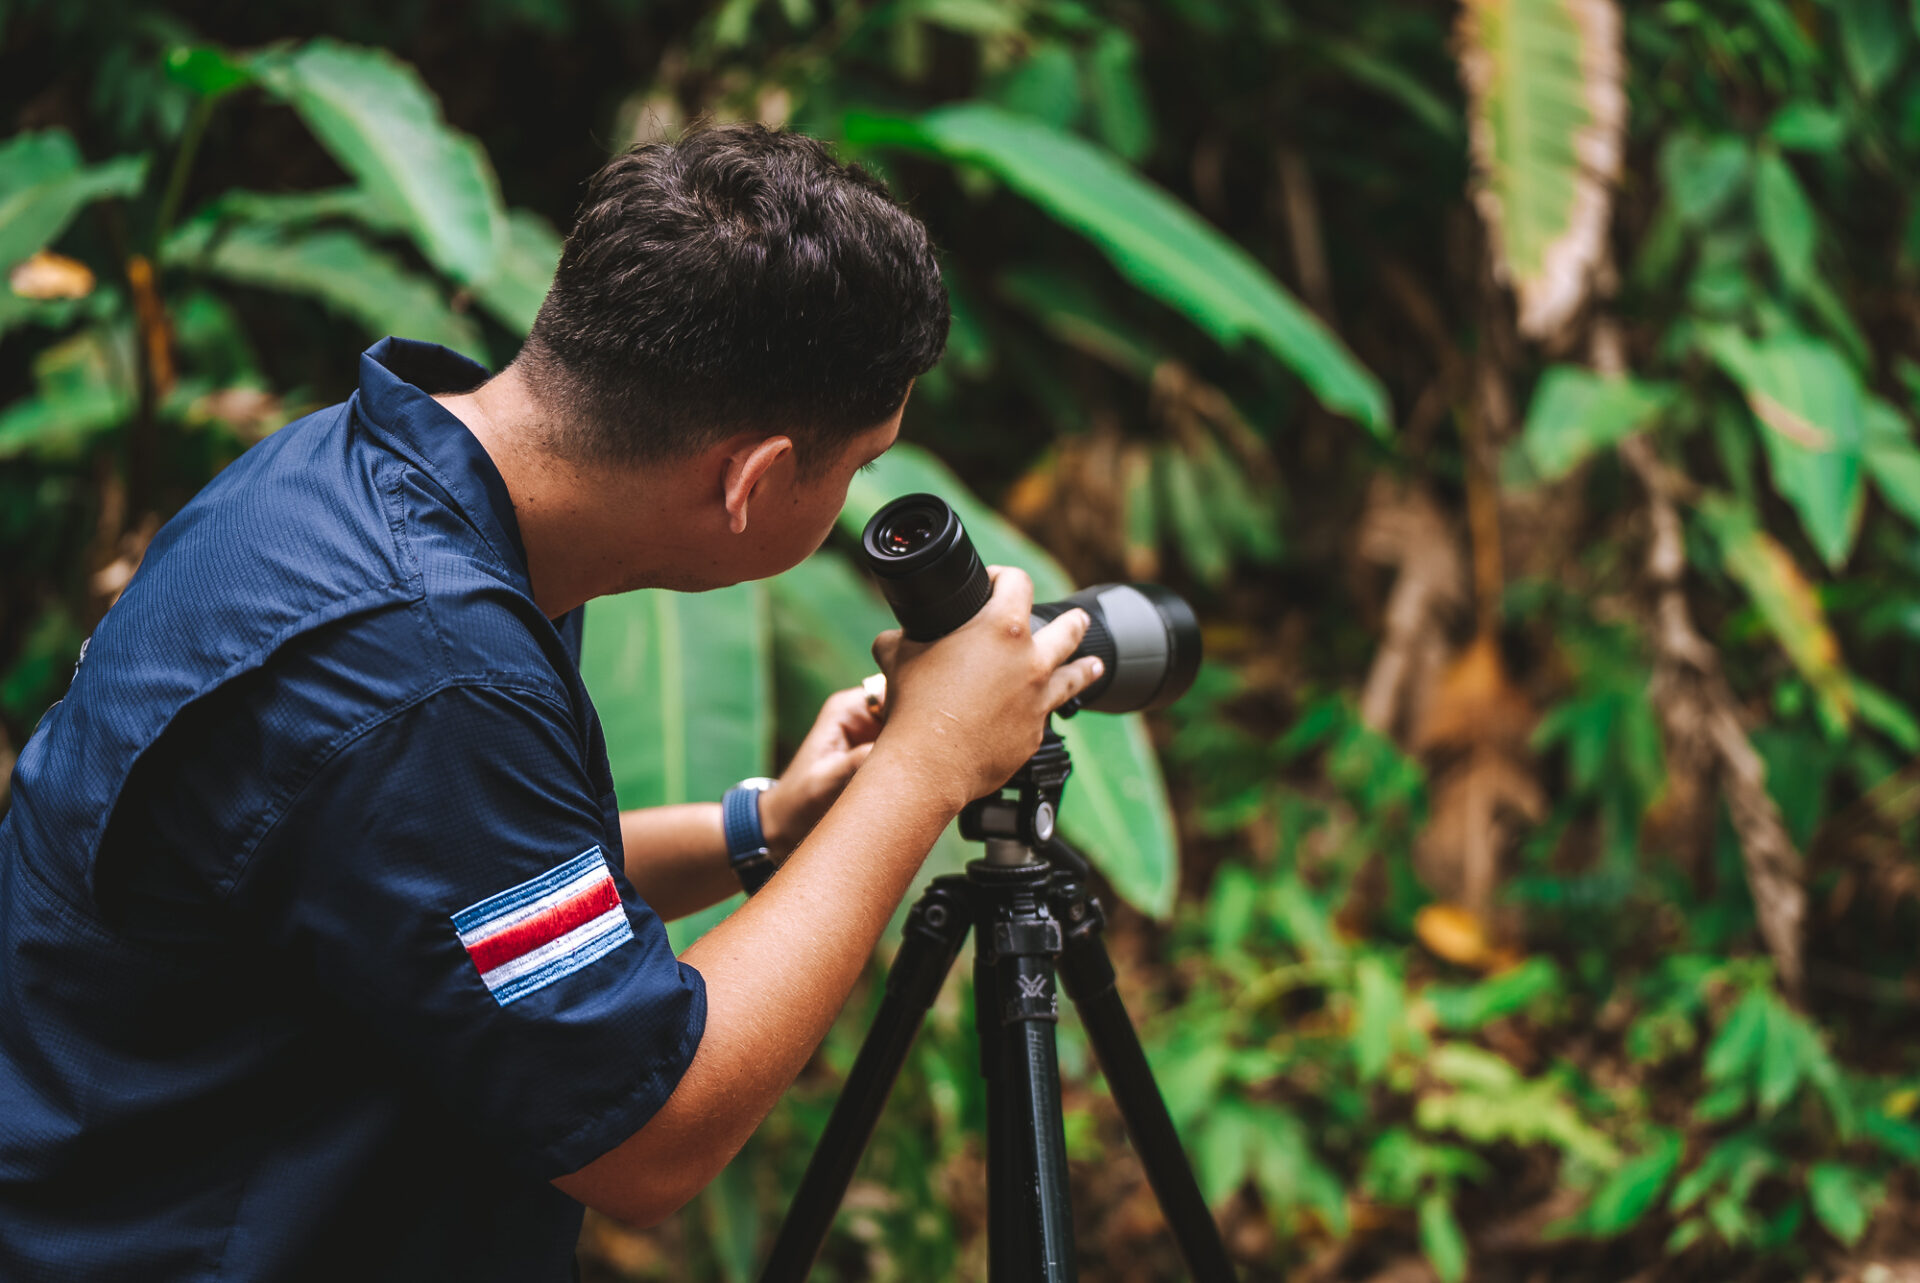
x=545, y=929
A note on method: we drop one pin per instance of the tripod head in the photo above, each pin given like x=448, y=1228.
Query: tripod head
x=1020, y=829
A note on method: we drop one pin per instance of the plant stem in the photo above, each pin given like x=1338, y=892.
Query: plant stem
x=196, y=128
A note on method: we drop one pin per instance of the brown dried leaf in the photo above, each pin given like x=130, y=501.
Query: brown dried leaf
x=48, y=275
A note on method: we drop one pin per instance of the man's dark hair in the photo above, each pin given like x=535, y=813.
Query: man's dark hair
x=740, y=277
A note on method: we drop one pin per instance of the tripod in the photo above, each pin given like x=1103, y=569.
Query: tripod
x=1031, y=912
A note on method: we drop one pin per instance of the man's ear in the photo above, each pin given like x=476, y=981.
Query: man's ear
x=747, y=467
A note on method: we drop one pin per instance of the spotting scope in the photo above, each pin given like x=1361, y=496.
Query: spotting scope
x=933, y=579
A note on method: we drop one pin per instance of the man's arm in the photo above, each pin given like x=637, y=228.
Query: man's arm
x=966, y=712
x=676, y=856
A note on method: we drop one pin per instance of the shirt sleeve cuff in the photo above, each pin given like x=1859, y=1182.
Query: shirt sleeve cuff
x=641, y=1098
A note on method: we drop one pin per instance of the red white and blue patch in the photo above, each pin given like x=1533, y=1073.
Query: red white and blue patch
x=547, y=928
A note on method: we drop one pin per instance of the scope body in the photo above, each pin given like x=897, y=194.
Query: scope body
x=1145, y=635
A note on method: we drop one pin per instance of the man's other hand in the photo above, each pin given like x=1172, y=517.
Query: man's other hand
x=840, y=740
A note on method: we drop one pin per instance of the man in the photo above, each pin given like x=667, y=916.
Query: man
x=319, y=949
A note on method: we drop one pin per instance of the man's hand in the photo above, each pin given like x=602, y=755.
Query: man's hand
x=840, y=740
x=971, y=707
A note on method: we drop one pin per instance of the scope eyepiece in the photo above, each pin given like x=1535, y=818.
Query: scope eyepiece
x=928, y=570
x=933, y=579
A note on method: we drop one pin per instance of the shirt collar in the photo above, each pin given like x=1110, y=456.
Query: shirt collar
x=398, y=381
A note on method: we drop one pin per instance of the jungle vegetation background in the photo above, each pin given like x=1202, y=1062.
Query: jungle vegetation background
x=1522, y=390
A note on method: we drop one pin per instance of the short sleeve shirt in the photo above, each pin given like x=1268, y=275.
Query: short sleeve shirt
x=315, y=950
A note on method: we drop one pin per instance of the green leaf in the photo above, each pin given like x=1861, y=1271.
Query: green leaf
x=1223, y=1153
x=733, y=1218
x=1116, y=805
x=1632, y=1190
x=1702, y=174
x=1736, y=1048
x=680, y=683
x=1892, y=458
x=301, y=209
x=1548, y=115
x=1783, y=1059
x=376, y=117
x=1288, y=1172
x=1887, y=715
x=83, y=386
x=518, y=285
x=1843, y=1199
x=1074, y=314
x=1575, y=413
x=1785, y=600
x=1785, y=216
x=1467, y=1007
x=336, y=267
x=206, y=70
x=1231, y=907
x=1045, y=86
x=1806, y=126
x=825, y=617
x=1379, y=1012
x=1156, y=242
x=1391, y=77
x=1191, y=517
x=1121, y=115
x=1813, y=410
x=43, y=185
x=1873, y=39
x=1441, y=1239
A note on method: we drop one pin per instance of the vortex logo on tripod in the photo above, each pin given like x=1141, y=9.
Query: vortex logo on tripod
x=1033, y=986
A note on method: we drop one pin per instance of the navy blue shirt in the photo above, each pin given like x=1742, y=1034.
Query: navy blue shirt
x=316, y=954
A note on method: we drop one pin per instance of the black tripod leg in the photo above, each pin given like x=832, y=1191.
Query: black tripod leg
x=1086, y=972
x=1031, y=1231
x=935, y=928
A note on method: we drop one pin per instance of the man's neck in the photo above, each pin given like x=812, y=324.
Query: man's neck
x=575, y=551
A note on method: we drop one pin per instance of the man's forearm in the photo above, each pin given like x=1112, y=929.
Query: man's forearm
x=777, y=973
x=677, y=857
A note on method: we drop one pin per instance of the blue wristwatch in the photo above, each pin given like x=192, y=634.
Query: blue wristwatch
x=747, y=847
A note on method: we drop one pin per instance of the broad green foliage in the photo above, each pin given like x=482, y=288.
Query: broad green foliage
x=371, y=111
x=1152, y=239
x=82, y=387
x=43, y=185
x=1133, y=206
x=679, y=682
x=1812, y=412
x=1575, y=413
x=336, y=267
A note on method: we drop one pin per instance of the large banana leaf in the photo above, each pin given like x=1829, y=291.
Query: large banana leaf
x=825, y=617
x=43, y=185
x=1547, y=119
x=1156, y=242
x=680, y=683
x=371, y=111
x=1812, y=411
x=334, y=266
x=1116, y=804
x=528, y=256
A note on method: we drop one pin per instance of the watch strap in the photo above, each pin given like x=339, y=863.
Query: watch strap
x=747, y=849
